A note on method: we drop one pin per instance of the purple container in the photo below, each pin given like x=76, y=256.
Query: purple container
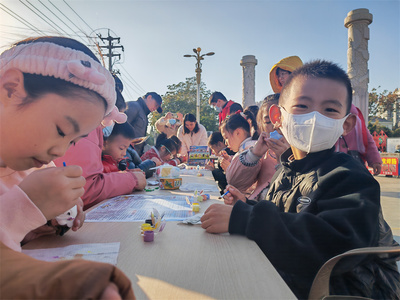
x=148, y=236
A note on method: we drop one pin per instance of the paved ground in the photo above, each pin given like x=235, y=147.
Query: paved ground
x=390, y=200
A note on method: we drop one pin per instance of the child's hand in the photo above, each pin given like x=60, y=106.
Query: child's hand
x=225, y=163
x=157, y=161
x=225, y=156
x=233, y=196
x=54, y=190
x=141, y=180
x=216, y=218
x=209, y=166
x=80, y=217
x=278, y=146
x=38, y=232
x=261, y=146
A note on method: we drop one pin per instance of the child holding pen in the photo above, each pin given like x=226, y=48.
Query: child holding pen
x=53, y=92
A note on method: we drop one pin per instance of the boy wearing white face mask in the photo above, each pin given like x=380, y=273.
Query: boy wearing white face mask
x=321, y=203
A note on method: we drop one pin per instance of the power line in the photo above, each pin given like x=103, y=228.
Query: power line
x=22, y=20
x=78, y=16
x=53, y=15
x=66, y=18
x=38, y=15
x=133, y=80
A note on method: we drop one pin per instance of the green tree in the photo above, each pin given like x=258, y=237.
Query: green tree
x=181, y=97
x=381, y=102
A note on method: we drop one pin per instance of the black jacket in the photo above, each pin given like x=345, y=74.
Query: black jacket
x=137, y=113
x=319, y=207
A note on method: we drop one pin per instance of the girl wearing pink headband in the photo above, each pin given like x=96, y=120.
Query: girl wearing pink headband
x=53, y=92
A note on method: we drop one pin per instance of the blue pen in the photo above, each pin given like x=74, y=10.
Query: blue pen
x=222, y=196
x=64, y=164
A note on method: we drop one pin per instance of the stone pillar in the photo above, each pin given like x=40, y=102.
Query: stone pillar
x=248, y=63
x=357, y=22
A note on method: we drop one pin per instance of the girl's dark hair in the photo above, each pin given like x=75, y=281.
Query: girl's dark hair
x=249, y=116
x=190, y=118
x=253, y=108
x=234, y=122
x=38, y=85
x=177, y=142
x=168, y=143
x=124, y=129
x=215, y=138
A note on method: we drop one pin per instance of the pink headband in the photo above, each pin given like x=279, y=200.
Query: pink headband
x=48, y=59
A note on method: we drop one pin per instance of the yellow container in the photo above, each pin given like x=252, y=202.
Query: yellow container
x=170, y=183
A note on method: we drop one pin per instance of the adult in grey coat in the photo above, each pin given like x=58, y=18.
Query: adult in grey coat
x=137, y=113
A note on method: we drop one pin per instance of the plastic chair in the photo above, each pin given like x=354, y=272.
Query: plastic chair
x=320, y=287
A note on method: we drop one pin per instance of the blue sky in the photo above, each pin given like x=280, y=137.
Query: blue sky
x=156, y=35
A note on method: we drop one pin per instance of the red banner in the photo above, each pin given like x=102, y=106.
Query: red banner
x=390, y=166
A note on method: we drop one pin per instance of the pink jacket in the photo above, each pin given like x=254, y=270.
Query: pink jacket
x=251, y=180
x=99, y=186
x=360, y=139
x=18, y=214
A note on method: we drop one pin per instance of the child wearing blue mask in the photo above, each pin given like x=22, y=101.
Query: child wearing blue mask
x=321, y=203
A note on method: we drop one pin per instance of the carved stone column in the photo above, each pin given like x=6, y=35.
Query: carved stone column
x=248, y=63
x=357, y=22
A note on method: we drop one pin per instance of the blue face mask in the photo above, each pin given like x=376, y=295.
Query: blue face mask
x=107, y=130
x=217, y=108
x=172, y=121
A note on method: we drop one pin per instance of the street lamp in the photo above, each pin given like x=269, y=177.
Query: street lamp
x=199, y=58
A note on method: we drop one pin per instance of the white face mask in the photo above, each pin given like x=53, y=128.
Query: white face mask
x=218, y=109
x=311, y=132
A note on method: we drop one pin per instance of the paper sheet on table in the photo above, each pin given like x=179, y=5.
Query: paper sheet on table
x=188, y=187
x=100, y=252
x=135, y=208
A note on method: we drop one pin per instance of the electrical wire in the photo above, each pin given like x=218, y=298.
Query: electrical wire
x=133, y=80
x=22, y=20
x=38, y=14
x=78, y=16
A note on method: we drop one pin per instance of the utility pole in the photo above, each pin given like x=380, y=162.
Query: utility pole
x=110, y=48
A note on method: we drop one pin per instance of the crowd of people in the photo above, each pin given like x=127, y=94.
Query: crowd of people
x=284, y=168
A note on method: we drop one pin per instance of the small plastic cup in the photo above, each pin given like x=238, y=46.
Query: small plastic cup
x=195, y=207
x=148, y=236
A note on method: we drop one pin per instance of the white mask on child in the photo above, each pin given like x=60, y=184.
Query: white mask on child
x=311, y=132
x=218, y=109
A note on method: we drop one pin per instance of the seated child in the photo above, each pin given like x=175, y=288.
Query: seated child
x=321, y=202
x=257, y=164
x=115, y=151
x=236, y=133
x=115, y=146
x=164, y=150
x=57, y=90
x=217, y=144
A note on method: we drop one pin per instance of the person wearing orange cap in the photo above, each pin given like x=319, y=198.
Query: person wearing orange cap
x=281, y=71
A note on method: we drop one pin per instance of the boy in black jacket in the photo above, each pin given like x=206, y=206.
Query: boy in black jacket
x=321, y=203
